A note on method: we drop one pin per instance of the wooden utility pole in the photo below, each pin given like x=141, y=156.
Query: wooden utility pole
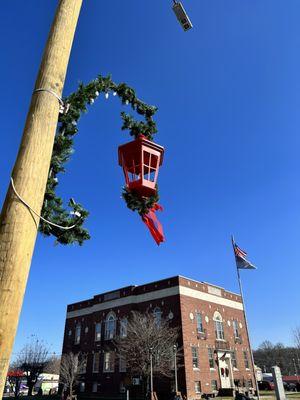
x=19, y=226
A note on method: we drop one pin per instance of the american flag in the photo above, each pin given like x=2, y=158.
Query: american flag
x=239, y=252
x=241, y=257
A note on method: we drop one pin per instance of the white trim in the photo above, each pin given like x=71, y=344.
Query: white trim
x=210, y=284
x=196, y=294
x=157, y=294
x=140, y=298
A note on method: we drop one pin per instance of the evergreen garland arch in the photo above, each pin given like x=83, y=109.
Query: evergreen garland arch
x=76, y=104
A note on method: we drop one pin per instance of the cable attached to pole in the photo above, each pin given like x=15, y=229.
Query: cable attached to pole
x=63, y=108
x=66, y=228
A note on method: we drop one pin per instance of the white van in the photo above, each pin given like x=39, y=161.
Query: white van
x=47, y=384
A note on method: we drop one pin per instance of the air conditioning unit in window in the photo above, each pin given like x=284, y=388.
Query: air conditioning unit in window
x=202, y=334
x=182, y=16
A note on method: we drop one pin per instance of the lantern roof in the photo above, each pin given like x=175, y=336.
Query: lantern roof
x=140, y=141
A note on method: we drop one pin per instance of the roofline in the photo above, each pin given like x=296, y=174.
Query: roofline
x=149, y=283
x=210, y=284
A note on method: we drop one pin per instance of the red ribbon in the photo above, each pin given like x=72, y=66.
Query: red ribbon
x=153, y=224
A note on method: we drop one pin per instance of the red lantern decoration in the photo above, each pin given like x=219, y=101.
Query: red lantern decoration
x=141, y=160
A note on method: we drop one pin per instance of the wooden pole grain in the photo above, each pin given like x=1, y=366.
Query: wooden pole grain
x=18, y=226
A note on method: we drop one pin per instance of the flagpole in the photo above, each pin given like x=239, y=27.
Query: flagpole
x=246, y=322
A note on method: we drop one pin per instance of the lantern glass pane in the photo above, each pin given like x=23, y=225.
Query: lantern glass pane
x=134, y=171
x=150, y=166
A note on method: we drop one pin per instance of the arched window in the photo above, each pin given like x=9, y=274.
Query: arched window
x=123, y=327
x=157, y=315
x=110, y=326
x=219, y=328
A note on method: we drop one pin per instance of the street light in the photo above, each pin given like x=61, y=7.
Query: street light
x=182, y=16
x=18, y=228
x=175, y=367
x=151, y=374
x=295, y=367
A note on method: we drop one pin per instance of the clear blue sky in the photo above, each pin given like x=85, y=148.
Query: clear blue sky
x=228, y=94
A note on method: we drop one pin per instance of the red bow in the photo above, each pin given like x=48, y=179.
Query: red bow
x=153, y=224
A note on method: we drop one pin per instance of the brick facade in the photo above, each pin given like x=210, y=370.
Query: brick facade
x=197, y=308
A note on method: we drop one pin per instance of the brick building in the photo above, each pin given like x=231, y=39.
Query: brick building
x=216, y=349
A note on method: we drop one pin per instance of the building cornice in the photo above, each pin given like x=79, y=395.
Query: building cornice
x=154, y=295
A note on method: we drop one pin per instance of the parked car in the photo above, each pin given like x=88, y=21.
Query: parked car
x=7, y=389
x=23, y=390
x=266, y=385
x=290, y=386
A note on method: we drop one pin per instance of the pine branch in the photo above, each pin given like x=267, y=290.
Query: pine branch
x=53, y=208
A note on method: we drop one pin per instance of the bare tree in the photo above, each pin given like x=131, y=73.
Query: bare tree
x=148, y=337
x=269, y=354
x=32, y=360
x=53, y=365
x=297, y=337
x=71, y=366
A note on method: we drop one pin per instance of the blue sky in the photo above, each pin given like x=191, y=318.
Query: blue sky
x=229, y=99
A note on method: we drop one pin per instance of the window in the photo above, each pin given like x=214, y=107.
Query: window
x=122, y=387
x=233, y=359
x=211, y=358
x=110, y=326
x=123, y=327
x=198, y=387
x=109, y=362
x=214, y=385
x=156, y=357
x=77, y=334
x=195, y=358
x=237, y=382
x=70, y=333
x=249, y=383
x=122, y=364
x=157, y=316
x=82, y=363
x=95, y=387
x=82, y=387
x=199, y=323
x=219, y=329
x=172, y=357
x=235, y=328
x=97, y=331
x=246, y=359
x=96, y=362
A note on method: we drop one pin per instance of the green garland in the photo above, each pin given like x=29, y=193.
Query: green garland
x=53, y=209
x=136, y=203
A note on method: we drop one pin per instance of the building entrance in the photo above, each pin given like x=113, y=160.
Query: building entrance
x=225, y=372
